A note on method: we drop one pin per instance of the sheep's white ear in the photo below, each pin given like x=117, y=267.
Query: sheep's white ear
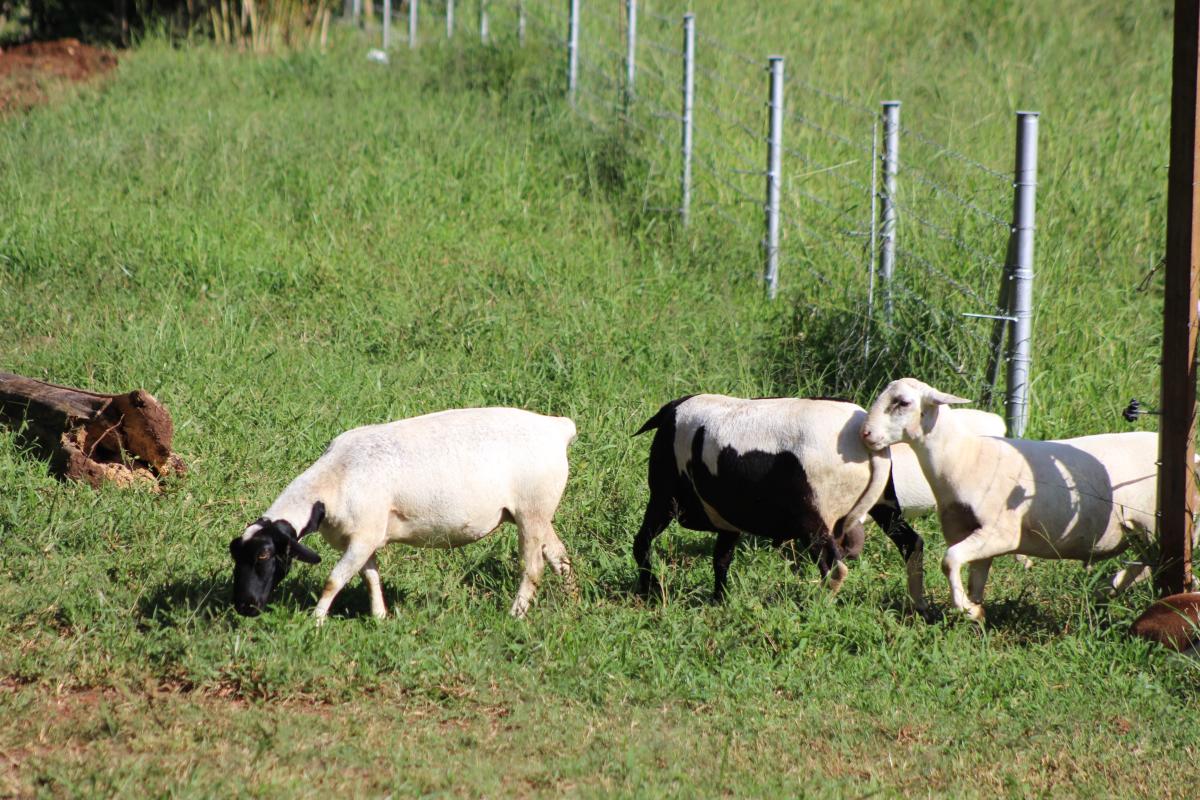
x=943, y=399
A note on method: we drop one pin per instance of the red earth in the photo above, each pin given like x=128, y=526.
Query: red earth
x=29, y=73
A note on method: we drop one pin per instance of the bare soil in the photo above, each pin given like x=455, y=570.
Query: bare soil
x=31, y=74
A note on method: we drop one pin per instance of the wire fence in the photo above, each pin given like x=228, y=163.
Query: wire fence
x=898, y=253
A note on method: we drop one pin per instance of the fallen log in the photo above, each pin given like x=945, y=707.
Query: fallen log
x=91, y=436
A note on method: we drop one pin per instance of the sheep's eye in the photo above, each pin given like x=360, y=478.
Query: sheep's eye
x=902, y=402
x=264, y=555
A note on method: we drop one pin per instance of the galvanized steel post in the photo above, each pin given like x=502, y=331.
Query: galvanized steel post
x=891, y=164
x=412, y=23
x=689, y=88
x=387, y=24
x=573, y=51
x=485, y=24
x=449, y=19
x=630, y=51
x=357, y=11
x=774, y=177
x=1016, y=404
x=521, y=22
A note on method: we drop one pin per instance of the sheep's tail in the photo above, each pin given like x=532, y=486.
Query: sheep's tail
x=881, y=470
x=662, y=415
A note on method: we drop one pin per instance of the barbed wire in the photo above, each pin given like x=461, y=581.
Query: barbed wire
x=921, y=178
x=837, y=137
x=945, y=150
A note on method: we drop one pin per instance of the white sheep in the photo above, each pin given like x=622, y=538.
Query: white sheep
x=439, y=480
x=1074, y=498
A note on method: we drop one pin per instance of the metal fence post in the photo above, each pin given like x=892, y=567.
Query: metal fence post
x=485, y=25
x=573, y=51
x=774, y=177
x=891, y=164
x=387, y=24
x=357, y=6
x=449, y=19
x=412, y=23
x=689, y=88
x=1016, y=404
x=630, y=51
x=521, y=23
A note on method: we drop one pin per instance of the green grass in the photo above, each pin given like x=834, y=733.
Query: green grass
x=282, y=248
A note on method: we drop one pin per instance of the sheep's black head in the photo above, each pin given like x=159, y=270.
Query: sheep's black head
x=262, y=556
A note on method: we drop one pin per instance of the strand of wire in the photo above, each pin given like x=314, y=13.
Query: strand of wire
x=732, y=122
x=840, y=213
x=727, y=150
x=941, y=315
x=811, y=232
x=715, y=77
x=660, y=47
x=719, y=45
x=920, y=177
x=715, y=172
x=932, y=269
x=716, y=208
x=941, y=233
x=817, y=168
x=944, y=150
x=665, y=20
x=834, y=135
x=844, y=102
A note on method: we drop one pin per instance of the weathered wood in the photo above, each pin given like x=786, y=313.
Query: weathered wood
x=1177, y=494
x=91, y=436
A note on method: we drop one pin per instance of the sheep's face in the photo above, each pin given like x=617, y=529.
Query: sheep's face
x=262, y=556
x=904, y=412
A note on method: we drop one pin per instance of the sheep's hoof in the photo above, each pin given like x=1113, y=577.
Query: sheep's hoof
x=836, y=577
x=975, y=613
x=1024, y=561
x=380, y=615
x=318, y=618
x=519, y=608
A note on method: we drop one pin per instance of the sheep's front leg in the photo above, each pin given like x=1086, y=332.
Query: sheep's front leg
x=532, y=538
x=370, y=573
x=977, y=576
x=353, y=561
x=981, y=545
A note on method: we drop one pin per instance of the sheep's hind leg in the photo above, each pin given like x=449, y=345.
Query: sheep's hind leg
x=370, y=573
x=656, y=519
x=532, y=538
x=560, y=562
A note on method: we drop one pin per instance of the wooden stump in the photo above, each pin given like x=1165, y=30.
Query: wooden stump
x=90, y=436
x=1173, y=622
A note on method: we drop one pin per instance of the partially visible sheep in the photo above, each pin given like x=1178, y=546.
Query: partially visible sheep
x=1075, y=498
x=783, y=469
x=440, y=480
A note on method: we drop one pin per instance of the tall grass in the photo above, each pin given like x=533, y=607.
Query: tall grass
x=281, y=248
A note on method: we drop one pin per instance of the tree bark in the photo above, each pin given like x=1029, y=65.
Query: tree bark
x=91, y=436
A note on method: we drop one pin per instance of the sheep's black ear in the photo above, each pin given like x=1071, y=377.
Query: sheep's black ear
x=235, y=547
x=314, y=519
x=304, y=553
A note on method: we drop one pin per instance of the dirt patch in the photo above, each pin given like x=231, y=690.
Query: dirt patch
x=30, y=74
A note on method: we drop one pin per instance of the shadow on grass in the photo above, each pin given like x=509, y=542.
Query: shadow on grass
x=210, y=597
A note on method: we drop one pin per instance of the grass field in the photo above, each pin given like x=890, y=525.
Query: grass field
x=281, y=248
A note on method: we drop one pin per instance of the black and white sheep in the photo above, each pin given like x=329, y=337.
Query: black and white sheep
x=439, y=480
x=1077, y=498
x=784, y=469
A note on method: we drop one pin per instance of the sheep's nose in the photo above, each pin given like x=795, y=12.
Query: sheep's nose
x=866, y=433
